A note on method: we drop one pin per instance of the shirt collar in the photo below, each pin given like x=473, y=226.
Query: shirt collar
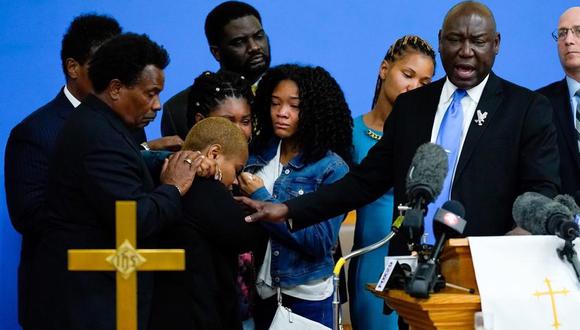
x=73, y=100
x=474, y=92
x=573, y=86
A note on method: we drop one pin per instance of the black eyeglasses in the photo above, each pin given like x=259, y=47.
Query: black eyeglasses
x=561, y=33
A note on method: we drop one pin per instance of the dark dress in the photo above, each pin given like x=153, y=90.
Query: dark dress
x=213, y=233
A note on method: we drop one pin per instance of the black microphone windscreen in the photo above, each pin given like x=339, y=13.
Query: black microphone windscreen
x=569, y=202
x=427, y=172
x=532, y=210
x=449, y=219
x=455, y=207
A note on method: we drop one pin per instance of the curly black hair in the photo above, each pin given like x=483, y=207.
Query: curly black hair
x=124, y=57
x=85, y=33
x=211, y=89
x=224, y=13
x=325, y=121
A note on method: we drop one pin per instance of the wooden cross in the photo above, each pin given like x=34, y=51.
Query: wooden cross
x=552, y=293
x=126, y=261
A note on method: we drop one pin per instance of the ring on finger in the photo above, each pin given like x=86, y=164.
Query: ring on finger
x=187, y=160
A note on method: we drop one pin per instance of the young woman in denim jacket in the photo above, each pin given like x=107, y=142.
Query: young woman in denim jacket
x=304, y=141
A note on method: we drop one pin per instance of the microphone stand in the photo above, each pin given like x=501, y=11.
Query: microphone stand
x=569, y=253
x=336, y=278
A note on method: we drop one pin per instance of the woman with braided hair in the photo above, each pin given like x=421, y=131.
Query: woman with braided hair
x=222, y=94
x=304, y=142
x=408, y=64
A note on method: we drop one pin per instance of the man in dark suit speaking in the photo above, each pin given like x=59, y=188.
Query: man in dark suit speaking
x=95, y=163
x=499, y=136
x=565, y=98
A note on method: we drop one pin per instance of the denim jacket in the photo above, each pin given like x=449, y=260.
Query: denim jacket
x=305, y=255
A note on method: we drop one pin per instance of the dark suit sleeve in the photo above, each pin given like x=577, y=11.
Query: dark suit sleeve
x=113, y=172
x=538, y=154
x=210, y=207
x=174, y=117
x=25, y=173
x=362, y=185
x=167, y=124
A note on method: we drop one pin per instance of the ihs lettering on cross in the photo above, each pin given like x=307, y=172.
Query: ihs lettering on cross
x=552, y=294
x=126, y=260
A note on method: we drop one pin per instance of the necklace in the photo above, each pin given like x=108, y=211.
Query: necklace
x=373, y=135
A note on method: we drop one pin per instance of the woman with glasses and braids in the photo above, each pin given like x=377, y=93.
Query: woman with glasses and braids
x=408, y=64
x=304, y=142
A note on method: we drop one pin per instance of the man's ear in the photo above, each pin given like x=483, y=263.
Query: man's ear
x=114, y=89
x=215, y=51
x=198, y=116
x=72, y=68
x=214, y=151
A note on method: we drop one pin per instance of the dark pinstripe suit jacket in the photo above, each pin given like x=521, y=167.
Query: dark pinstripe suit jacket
x=28, y=150
x=558, y=95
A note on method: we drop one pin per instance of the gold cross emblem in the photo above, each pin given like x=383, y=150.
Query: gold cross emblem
x=126, y=261
x=552, y=294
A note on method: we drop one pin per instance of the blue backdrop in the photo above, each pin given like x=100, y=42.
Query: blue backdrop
x=348, y=38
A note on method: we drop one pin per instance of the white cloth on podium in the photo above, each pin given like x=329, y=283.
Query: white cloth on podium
x=515, y=275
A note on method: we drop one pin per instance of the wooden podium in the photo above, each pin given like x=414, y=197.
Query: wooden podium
x=449, y=308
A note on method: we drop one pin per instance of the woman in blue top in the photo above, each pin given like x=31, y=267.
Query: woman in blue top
x=408, y=64
x=304, y=141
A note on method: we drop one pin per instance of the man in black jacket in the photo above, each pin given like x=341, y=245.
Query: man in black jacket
x=238, y=42
x=565, y=98
x=507, y=144
x=95, y=163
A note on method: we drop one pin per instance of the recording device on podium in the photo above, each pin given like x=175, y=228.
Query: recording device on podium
x=448, y=222
x=424, y=183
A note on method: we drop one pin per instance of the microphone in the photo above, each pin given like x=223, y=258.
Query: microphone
x=426, y=174
x=569, y=202
x=424, y=183
x=540, y=215
x=448, y=221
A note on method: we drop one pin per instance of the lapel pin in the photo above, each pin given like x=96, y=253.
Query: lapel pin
x=480, y=117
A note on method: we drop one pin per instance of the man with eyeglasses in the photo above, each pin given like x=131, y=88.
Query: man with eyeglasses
x=565, y=98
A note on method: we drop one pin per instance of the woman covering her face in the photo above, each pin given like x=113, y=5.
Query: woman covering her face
x=228, y=95
x=213, y=233
x=408, y=64
x=305, y=132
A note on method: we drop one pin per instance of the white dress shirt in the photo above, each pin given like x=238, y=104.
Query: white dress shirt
x=73, y=100
x=469, y=105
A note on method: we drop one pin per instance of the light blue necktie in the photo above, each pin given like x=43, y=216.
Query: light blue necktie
x=449, y=137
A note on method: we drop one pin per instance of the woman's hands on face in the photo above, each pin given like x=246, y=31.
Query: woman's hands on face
x=249, y=182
